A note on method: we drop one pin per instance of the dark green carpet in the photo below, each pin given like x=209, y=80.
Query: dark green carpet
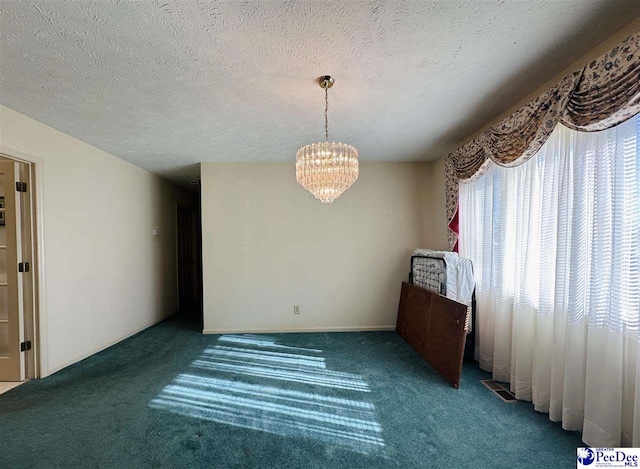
x=171, y=397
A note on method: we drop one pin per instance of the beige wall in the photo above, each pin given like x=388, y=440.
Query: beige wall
x=435, y=231
x=434, y=221
x=106, y=276
x=269, y=244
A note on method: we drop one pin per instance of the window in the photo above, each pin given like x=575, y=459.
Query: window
x=555, y=244
x=562, y=231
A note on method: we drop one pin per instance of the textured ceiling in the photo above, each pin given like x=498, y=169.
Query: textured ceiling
x=167, y=84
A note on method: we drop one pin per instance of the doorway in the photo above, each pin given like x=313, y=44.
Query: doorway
x=18, y=288
x=189, y=251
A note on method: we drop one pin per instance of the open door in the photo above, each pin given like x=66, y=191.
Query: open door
x=12, y=362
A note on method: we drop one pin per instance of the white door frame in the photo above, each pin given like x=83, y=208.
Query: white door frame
x=39, y=304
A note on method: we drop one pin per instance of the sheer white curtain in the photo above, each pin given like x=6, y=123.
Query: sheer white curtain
x=555, y=245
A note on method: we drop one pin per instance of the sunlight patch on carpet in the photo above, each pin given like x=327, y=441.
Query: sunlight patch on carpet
x=252, y=382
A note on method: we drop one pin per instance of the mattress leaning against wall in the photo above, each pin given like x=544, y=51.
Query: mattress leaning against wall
x=450, y=275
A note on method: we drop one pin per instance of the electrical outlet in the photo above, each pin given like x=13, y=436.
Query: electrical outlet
x=296, y=309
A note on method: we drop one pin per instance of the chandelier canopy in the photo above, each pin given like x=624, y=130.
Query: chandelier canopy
x=327, y=169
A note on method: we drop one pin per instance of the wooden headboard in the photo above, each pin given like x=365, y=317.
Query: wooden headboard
x=434, y=326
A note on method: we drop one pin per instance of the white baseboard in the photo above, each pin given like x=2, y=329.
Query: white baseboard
x=301, y=329
x=79, y=358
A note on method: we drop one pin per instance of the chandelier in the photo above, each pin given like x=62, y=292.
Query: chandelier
x=326, y=169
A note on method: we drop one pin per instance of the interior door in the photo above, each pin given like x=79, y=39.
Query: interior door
x=11, y=321
x=189, y=263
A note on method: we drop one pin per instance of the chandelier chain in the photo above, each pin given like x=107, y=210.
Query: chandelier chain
x=326, y=112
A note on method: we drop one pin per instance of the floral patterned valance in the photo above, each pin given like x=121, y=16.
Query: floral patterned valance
x=603, y=94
